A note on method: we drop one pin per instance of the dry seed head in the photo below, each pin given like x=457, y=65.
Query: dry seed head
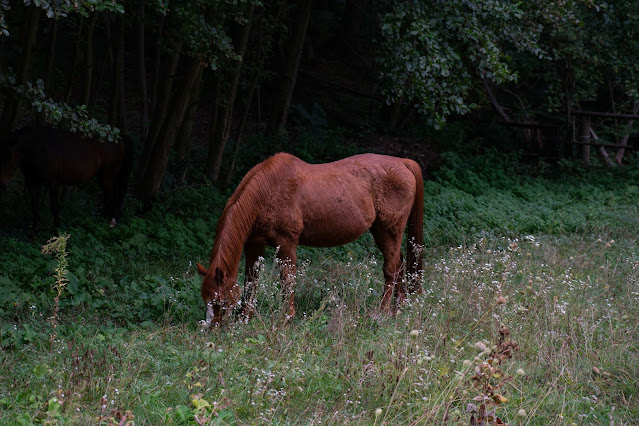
x=481, y=346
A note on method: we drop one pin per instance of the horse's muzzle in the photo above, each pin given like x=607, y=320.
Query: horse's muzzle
x=214, y=314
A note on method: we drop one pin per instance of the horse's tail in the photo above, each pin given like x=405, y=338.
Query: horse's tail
x=122, y=179
x=415, y=230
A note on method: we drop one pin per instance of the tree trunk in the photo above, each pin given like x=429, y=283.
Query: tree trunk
x=141, y=56
x=121, y=117
x=157, y=60
x=11, y=111
x=107, y=60
x=351, y=24
x=74, y=63
x=160, y=112
x=2, y=49
x=602, y=150
x=584, y=136
x=183, y=139
x=624, y=140
x=240, y=130
x=152, y=178
x=51, y=53
x=284, y=93
x=88, y=59
x=116, y=113
x=215, y=108
x=225, y=109
x=493, y=101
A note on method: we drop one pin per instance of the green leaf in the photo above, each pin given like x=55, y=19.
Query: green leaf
x=40, y=370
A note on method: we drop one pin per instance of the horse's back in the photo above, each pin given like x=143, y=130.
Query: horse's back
x=337, y=202
x=370, y=175
x=50, y=154
x=388, y=181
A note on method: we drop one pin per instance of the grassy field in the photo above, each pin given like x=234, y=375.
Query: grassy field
x=530, y=314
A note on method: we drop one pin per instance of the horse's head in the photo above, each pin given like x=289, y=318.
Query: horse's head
x=220, y=293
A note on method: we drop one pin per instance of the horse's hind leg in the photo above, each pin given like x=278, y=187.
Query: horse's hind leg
x=389, y=243
x=109, y=212
x=252, y=253
x=287, y=256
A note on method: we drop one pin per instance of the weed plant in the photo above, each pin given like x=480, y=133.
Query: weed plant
x=529, y=315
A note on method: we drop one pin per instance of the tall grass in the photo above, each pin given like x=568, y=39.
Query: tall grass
x=529, y=314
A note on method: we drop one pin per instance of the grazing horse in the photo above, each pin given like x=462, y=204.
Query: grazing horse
x=285, y=202
x=53, y=157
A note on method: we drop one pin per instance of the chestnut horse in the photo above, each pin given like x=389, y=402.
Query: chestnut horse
x=53, y=157
x=285, y=202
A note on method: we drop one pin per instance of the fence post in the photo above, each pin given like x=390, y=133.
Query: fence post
x=584, y=138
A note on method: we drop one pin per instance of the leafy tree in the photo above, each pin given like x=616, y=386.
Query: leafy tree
x=198, y=39
x=19, y=87
x=433, y=53
x=589, y=63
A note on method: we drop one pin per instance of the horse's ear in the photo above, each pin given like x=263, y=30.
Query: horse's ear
x=201, y=269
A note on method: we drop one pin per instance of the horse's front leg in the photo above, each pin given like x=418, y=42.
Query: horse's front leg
x=287, y=256
x=252, y=253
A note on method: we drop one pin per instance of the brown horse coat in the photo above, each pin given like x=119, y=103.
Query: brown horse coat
x=53, y=157
x=284, y=202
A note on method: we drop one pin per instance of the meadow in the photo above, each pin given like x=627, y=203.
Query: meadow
x=529, y=315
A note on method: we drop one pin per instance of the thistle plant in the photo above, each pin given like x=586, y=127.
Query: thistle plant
x=57, y=246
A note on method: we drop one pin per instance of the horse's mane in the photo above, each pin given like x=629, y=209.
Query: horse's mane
x=243, y=208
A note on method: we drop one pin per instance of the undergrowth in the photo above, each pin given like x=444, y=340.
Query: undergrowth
x=528, y=316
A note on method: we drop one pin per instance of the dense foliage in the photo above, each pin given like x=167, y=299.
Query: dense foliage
x=151, y=69
x=436, y=53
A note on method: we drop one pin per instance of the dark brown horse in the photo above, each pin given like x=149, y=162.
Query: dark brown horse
x=284, y=202
x=53, y=157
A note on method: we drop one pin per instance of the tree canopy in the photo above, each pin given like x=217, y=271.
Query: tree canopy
x=104, y=66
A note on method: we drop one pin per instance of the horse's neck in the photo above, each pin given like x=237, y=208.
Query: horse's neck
x=245, y=206
x=232, y=233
